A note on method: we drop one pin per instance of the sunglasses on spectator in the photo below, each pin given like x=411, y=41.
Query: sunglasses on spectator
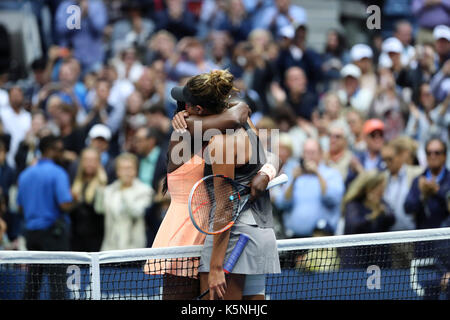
x=388, y=159
x=435, y=152
x=376, y=134
x=336, y=136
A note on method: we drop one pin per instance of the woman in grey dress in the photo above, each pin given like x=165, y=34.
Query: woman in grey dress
x=208, y=94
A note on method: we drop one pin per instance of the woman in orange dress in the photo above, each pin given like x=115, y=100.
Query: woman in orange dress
x=176, y=229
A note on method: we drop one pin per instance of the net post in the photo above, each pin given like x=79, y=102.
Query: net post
x=95, y=276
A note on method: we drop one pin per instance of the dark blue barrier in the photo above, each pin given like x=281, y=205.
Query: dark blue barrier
x=132, y=283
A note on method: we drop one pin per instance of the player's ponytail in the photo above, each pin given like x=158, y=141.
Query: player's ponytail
x=214, y=88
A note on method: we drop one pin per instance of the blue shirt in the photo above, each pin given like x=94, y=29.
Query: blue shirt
x=41, y=189
x=307, y=205
x=87, y=41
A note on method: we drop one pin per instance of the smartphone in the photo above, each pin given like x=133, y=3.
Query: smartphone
x=302, y=164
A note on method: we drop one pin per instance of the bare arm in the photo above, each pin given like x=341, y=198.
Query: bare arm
x=216, y=278
x=231, y=118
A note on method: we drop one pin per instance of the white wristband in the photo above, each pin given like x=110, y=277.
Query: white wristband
x=268, y=169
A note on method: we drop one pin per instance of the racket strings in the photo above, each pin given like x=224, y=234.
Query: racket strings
x=215, y=204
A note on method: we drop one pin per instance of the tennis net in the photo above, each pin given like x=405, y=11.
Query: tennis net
x=401, y=265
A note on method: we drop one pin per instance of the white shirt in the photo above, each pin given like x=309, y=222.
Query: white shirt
x=17, y=125
x=395, y=195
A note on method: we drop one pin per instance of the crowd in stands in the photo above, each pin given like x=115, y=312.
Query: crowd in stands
x=363, y=127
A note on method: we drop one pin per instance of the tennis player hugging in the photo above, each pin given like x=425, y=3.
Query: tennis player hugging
x=240, y=156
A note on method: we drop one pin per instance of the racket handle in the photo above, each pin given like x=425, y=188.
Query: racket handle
x=236, y=253
x=232, y=259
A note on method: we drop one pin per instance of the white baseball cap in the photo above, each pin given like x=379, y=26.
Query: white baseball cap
x=100, y=131
x=384, y=61
x=351, y=70
x=392, y=44
x=287, y=32
x=441, y=32
x=360, y=51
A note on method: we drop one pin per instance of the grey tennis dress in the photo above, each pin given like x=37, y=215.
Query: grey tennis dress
x=260, y=255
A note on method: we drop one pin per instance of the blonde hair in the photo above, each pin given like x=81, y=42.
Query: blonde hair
x=214, y=87
x=126, y=156
x=362, y=185
x=100, y=179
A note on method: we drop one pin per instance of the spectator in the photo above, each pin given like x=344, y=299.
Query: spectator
x=404, y=33
x=370, y=159
x=16, y=122
x=133, y=29
x=441, y=35
x=419, y=71
x=119, y=92
x=152, y=169
x=44, y=196
x=220, y=48
x=429, y=14
x=424, y=119
x=128, y=65
x=355, y=121
x=133, y=120
x=400, y=177
x=236, y=20
x=72, y=135
x=281, y=14
x=388, y=104
x=351, y=94
x=339, y=156
x=314, y=192
x=86, y=41
x=335, y=56
x=72, y=91
x=100, y=109
x=189, y=59
x=27, y=152
x=123, y=204
x=160, y=47
x=392, y=50
x=7, y=180
x=332, y=109
x=99, y=138
x=147, y=147
x=365, y=211
x=362, y=57
x=297, y=97
x=87, y=225
x=176, y=19
x=296, y=53
x=426, y=200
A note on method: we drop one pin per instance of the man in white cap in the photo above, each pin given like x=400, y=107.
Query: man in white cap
x=440, y=83
x=99, y=137
x=393, y=48
x=441, y=35
x=429, y=14
x=351, y=94
x=361, y=55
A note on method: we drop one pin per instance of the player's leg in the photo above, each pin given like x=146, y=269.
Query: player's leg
x=254, y=287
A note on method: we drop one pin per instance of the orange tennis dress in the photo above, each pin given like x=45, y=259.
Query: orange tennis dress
x=176, y=229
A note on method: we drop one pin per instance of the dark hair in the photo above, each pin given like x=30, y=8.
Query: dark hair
x=443, y=144
x=48, y=143
x=39, y=64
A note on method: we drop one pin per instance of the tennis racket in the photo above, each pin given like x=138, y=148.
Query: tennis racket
x=232, y=259
x=216, y=201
